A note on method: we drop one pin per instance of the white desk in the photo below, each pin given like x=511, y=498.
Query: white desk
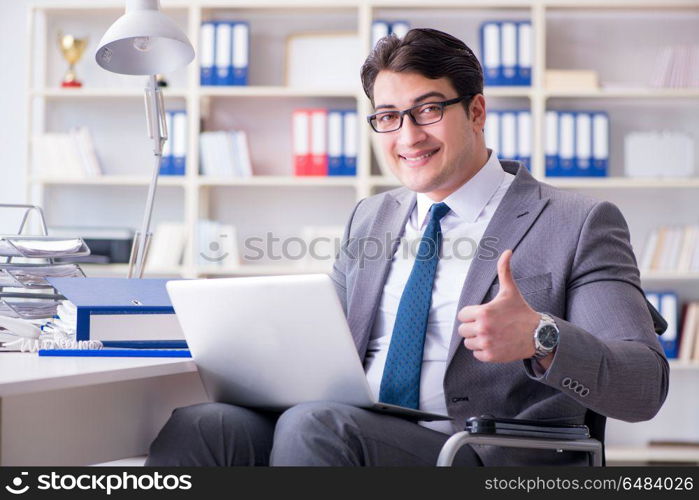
x=81, y=411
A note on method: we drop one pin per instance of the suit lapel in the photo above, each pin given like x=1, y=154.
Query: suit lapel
x=517, y=211
x=387, y=229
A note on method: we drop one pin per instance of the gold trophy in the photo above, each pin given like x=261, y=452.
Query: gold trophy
x=72, y=49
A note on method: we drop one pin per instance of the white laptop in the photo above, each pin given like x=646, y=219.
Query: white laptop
x=274, y=342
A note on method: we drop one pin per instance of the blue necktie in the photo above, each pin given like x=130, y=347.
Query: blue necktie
x=400, y=383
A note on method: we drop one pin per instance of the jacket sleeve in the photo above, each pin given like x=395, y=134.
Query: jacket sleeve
x=609, y=358
x=339, y=270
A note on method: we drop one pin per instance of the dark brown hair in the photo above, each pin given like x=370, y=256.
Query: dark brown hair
x=430, y=53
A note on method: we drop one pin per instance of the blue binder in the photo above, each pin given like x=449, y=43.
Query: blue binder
x=551, y=147
x=668, y=306
x=178, y=163
x=566, y=144
x=524, y=53
x=399, y=28
x=240, y=55
x=223, y=57
x=207, y=50
x=336, y=159
x=600, y=144
x=583, y=144
x=508, y=53
x=121, y=309
x=379, y=30
x=524, y=138
x=491, y=53
x=350, y=142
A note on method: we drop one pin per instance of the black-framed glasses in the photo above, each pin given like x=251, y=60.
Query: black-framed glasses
x=426, y=113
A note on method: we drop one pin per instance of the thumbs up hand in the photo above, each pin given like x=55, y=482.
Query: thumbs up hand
x=503, y=329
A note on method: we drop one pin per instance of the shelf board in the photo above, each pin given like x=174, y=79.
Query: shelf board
x=683, y=365
x=280, y=4
x=642, y=454
x=95, y=93
x=272, y=91
x=450, y=4
x=631, y=93
x=278, y=180
x=621, y=182
x=616, y=4
x=522, y=91
x=99, y=7
x=109, y=180
x=669, y=276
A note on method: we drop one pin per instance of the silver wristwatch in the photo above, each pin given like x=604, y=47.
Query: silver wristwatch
x=545, y=336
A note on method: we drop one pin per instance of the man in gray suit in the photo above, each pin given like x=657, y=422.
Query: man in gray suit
x=521, y=300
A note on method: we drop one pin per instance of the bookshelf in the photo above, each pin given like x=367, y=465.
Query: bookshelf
x=614, y=37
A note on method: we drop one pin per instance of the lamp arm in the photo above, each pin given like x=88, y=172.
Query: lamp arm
x=157, y=130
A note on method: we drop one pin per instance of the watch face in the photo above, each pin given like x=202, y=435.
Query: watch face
x=547, y=336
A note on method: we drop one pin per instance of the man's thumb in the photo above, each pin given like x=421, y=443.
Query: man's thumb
x=507, y=282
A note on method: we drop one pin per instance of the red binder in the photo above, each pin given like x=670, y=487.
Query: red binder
x=301, y=138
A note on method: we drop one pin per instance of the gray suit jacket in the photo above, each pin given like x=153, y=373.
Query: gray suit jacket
x=572, y=259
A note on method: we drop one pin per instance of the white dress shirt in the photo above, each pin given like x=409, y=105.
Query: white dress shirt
x=472, y=206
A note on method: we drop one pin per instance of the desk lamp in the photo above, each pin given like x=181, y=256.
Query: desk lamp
x=145, y=42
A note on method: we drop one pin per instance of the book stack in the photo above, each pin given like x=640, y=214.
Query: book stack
x=66, y=155
x=677, y=67
x=225, y=154
x=174, y=159
x=671, y=249
x=571, y=79
x=680, y=339
x=509, y=134
x=688, y=348
x=325, y=142
x=167, y=247
x=659, y=154
x=506, y=53
x=577, y=143
x=217, y=245
x=224, y=52
x=380, y=29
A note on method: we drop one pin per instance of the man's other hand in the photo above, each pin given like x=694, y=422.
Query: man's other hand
x=503, y=329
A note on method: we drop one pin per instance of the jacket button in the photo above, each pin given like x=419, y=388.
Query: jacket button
x=566, y=382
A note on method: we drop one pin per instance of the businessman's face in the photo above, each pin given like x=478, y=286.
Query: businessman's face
x=434, y=159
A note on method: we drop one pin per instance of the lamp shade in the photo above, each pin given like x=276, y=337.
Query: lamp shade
x=144, y=41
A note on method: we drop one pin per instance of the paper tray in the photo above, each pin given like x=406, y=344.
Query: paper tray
x=42, y=247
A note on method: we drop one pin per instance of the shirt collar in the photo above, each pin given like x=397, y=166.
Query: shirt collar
x=469, y=200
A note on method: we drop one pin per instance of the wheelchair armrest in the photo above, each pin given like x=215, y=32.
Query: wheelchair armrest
x=488, y=425
x=517, y=433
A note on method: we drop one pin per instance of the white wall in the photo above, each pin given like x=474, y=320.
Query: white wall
x=13, y=103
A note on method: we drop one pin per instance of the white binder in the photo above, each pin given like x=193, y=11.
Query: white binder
x=492, y=131
x=566, y=152
x=509, y=52
x=583, y=144
x=508, y=135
